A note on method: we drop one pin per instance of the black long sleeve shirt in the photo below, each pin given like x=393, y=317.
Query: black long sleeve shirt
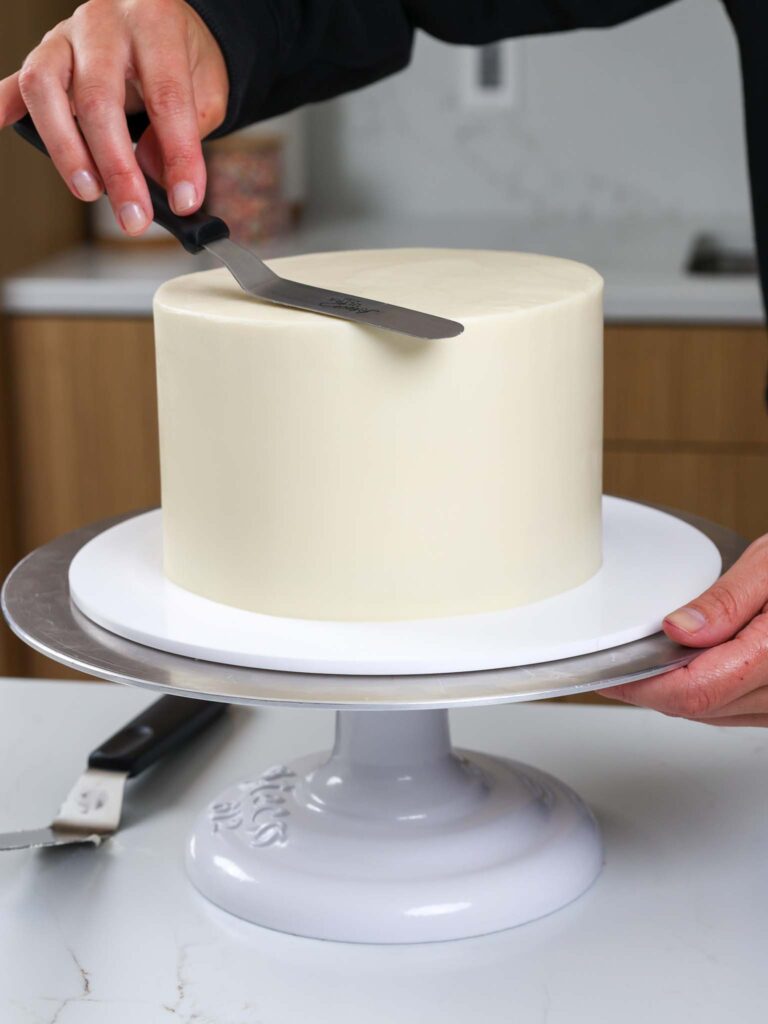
x=281, y=54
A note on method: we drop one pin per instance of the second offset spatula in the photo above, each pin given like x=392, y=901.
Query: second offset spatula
x=202, y=231
x=91, y=811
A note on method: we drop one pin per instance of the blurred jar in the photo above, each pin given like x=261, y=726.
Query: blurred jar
x=256, y=178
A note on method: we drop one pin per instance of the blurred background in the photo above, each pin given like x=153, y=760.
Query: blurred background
x=622, y=148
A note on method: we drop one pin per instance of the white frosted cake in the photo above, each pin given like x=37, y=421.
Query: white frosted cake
x=315, y=468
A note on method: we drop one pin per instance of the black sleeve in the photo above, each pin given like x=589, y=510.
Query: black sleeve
x=750, y=19
x=281, y=54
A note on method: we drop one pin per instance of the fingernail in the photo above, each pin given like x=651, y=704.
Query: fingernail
x=184, y=196
x=86, y=186
x=132, y=218
x=688, y=619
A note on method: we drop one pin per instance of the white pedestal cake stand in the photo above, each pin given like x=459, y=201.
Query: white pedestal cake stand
x=394, y=836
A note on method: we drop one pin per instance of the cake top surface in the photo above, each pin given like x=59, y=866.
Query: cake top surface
x=461, y=284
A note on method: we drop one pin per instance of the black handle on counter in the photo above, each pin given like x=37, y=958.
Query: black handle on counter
x=162, y=728
x=194, y=232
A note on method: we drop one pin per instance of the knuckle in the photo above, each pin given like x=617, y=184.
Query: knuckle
x=696, y=701
x=182, y=156
x=92, y=100
x=84, y=12
x=723, y=602
x=32, y=76
x=96, y=9
x=159, y=8
x=117, y=179
x=166, y=97
x=161, y=13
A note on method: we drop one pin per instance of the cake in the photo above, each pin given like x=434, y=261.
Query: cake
x=319, y=469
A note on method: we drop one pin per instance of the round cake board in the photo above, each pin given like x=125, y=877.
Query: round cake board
x=653, y=562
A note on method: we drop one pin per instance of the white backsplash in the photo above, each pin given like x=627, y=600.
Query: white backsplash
x=644, y=120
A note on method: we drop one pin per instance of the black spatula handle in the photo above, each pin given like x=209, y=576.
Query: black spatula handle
x=194, y=231
x=165, y=726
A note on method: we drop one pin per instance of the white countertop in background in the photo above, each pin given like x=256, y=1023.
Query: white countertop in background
x=642, y=261
x=673, y=930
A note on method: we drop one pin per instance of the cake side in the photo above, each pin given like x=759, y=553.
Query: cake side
x=316, y=468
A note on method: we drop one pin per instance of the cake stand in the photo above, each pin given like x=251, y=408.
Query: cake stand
x=394, y=836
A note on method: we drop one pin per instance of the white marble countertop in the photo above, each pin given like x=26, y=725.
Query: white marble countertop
x=673, y=929
x=642, y=261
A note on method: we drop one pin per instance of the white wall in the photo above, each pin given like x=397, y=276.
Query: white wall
x=644, y=119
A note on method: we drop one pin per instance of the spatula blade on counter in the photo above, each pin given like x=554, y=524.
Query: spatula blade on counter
x=92, y=810
x=201, y=231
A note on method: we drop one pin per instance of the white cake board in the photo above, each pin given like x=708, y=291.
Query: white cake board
x=653, y=563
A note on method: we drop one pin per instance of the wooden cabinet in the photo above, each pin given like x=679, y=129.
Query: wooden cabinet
x=686, y=422
x=39, y=214
x=83, y=416
x=82, y=421
x=686, y=425
x=39, y=217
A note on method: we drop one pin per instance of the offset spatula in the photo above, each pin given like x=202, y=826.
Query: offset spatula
x=201, y=231
x=91, y=812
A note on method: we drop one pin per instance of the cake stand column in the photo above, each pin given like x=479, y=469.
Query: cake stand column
x=395, y=837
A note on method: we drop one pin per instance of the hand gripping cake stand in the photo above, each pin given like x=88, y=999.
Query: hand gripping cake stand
x=394, y=836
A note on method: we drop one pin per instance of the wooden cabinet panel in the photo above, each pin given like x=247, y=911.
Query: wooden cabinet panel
x=83, y=419
x=686, y=384
x=10, y=648
x=727, y=487
x=686, y=422
x=42, y=216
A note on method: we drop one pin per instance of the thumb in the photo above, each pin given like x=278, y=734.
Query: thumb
x=720, y=612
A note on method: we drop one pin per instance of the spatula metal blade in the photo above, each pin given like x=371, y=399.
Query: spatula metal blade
x=256, y=278
x=39, y=837
x=90, y=813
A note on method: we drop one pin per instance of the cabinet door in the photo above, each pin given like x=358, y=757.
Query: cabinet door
x=40, y=218
x=83, y=421
x=686, y=422
x=10, y=648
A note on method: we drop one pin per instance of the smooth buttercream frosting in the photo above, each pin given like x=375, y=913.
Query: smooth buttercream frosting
x=317, y=468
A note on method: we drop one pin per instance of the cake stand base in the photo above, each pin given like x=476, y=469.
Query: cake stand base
x=395, y=837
